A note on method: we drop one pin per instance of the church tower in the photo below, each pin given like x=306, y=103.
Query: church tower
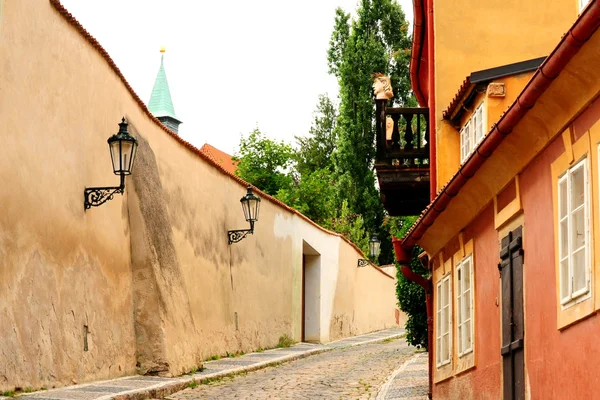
x=161, y=105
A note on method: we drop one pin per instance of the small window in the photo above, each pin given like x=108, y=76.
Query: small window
x=582, y=4
x=444, y=322
x=464, y=297
x=472, y=133
x=465, y=141
x=478, y=122
x=573, y=233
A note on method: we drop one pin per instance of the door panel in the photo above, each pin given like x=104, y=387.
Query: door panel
x=513, y=331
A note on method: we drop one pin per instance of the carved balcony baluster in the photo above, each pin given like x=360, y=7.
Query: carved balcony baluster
x=402, y=158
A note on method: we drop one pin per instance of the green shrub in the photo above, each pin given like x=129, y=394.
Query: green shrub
x=411, y=299
x=285, y=341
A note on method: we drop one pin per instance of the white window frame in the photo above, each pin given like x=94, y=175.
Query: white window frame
x=465, y=141
x=473, y=132
x=583, y=4
x=464, y=300
x=566, y=260
x=443, y=313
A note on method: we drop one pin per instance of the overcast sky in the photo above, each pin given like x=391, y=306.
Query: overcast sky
x=231, y=65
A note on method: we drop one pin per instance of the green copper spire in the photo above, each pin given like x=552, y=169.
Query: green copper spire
x=160, y=103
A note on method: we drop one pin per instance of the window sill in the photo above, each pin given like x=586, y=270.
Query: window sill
x=442, y=373
x=574, y=302
x=465, y=362
x=458, y=366
x=575, y=312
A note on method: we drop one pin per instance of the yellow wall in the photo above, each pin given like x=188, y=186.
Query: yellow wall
x=149, y=273
x=448, y=153
x=566, y=97
x=475, y=35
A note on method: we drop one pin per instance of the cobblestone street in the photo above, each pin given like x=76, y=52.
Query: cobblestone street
x=349, y=373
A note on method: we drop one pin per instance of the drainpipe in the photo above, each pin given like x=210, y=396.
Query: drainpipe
x=432, y=173
x=404, y=256
x=431, y=99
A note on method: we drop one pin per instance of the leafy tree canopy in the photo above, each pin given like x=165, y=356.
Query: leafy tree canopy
x=264, y=162
x=376, y=41
x=315, y=149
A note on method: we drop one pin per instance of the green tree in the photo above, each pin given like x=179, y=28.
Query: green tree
x=264, y=162
x=312, y=195
x=376, y=41
x=315, y=149
x=351, y=225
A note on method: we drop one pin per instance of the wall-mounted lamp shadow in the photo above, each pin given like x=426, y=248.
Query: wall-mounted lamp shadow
x=374, y=248
x=122, y=152
x=250, y=206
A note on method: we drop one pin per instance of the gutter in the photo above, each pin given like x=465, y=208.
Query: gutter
x=431, y=99
x=572, y=41
x=417, y=50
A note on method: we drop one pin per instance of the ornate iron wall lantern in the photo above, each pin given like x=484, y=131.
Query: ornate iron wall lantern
x=122, y=148
x=250, y=206
x=374, y=247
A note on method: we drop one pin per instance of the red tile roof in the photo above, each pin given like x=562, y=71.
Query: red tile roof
x=95, y=44
x=462, y=91
x=220, y=157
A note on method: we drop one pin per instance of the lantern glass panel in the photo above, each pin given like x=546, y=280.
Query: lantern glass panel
x=374, y=247
x=115, y=155
x=126, y=156
x=246, y=208
x=253, y=208
x=132, y=158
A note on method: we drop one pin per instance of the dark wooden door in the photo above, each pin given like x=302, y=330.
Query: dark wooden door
x=303, y=324
x=513, y=333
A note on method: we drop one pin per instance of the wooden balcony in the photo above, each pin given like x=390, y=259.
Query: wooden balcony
x=402, y=160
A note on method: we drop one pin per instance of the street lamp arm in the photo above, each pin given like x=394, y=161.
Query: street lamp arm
x=96, y=196
x=237, y=235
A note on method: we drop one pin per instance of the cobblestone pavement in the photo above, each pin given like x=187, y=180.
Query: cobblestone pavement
x=147, y=387
x=344, y=373
x=410, y=381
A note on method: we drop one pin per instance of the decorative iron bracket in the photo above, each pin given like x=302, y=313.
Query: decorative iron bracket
x=96, y=196
x=363, y=263
x=238, y=234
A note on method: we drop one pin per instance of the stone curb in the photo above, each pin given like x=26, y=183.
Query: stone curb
x=163, y=389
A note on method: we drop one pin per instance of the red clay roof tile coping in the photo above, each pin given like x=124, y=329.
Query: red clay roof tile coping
x=223, y=159
x=580, y=32
x=464, y=87
x=95, y=44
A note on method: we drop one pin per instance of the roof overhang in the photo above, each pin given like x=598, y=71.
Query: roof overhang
x=466, y=91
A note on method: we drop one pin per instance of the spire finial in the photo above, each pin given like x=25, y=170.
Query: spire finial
x=163, y=49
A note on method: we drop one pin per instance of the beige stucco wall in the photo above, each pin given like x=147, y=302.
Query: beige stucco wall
x=364, y=300
x=60, y=268
x=149, y=273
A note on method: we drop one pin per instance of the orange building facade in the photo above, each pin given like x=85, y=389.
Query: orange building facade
x=512, y=233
